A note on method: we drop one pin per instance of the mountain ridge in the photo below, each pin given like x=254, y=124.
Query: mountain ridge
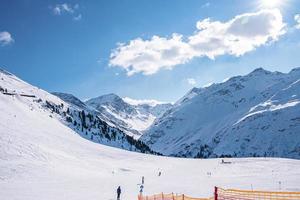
x=76, y=117
x=132, y=119
x=202, y=122
x=251, y=115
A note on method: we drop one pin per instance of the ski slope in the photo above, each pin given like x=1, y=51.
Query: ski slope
x=41, y=158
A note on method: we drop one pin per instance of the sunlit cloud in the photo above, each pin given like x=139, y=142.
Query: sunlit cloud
x=149, y=56
x=5, y=38
x=242, y=34
x=297, y=19
x=136, y=102
x=271, y=3
x=64, y=8
x=78, y=17
x=206, y=5
x=191, y=81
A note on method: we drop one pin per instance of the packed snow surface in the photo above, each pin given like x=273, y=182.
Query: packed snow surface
x=42, y=158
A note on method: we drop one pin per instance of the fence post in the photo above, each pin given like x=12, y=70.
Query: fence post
x=162, y=196
x=173, y=196
x=183, y=197
x=216, y=193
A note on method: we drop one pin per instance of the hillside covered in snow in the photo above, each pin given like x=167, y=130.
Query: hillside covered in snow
x=69, y=110
x=43, y=156
x=253, y=115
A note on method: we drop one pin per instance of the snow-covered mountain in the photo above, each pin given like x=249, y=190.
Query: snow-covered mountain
x=253, y=115
x=43, y=157
x=132, y=118
x=67, y=109
x=71, y=99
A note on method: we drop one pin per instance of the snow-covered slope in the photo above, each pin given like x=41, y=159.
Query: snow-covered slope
x=72, y=113
x=42, y=158
x=131, y=118
x=253, y=115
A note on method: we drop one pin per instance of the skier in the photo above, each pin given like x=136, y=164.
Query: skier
x=119, y=192
x=141, y=190
x=159, y=173
x=143, y=180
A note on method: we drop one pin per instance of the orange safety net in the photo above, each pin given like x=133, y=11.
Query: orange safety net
x=171, y=196
x=230, y=194
x=233, y=194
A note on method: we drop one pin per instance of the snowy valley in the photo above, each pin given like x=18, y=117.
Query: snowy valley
x=149, y=100
x=256, y=115
x=43, y=156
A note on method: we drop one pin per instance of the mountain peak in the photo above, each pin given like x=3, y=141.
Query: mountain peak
x=259, y=71
x=110, y=95
x=105, y=99
x=295, y=70
x=189, y=95
x=69, y=98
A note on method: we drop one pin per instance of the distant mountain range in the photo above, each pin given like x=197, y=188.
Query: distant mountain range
x=132, y=119
x=69, y=110
x=246, y=116
x=253, y=115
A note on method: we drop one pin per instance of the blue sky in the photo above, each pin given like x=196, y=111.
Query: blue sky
x=66, y=46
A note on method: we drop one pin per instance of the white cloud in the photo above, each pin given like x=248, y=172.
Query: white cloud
x=240, y=35
x=78, y=17
x=5, y=38
x=149, y=56
x=191, y=81
x=65, y=8
x=297, y=19
x=206, y=5
x=136, y=102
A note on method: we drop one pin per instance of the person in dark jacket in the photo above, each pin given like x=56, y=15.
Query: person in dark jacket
x=119, y=192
